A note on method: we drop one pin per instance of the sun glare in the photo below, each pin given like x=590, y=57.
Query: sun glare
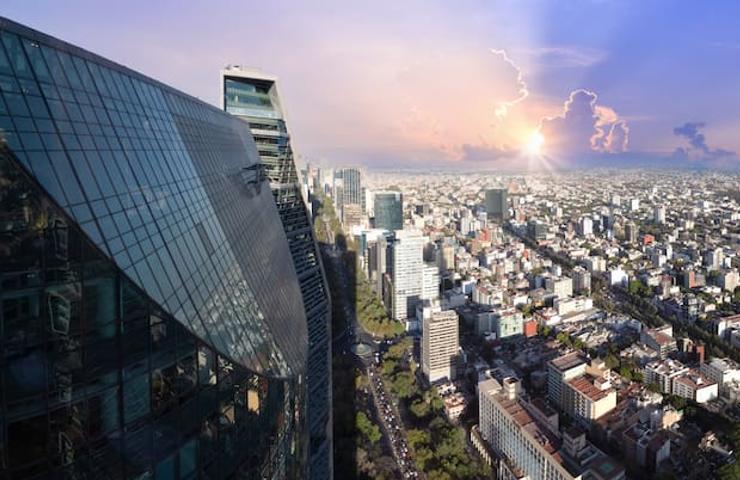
x=535, y=143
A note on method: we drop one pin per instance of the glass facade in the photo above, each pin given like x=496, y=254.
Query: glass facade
x=388, y=208
x=253, y=97
x=152, y=324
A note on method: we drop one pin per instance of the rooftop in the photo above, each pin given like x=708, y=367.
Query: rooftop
x=568, y=361
x=585, y=385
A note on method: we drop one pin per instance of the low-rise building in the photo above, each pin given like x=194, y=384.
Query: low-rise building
x=663, y=373
x=695, y=386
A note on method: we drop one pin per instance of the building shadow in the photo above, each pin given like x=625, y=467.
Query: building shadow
x=339, y=266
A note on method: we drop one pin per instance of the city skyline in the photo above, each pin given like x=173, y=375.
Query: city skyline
x=504, y=85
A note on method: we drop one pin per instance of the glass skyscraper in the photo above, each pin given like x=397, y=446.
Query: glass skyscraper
x=152, y=323
x=497, y=206
x=388, y=208
x=253, y=97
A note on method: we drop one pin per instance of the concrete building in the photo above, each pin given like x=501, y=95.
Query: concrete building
x=581, y=280
x=630, y=232
x=562, y=287
x=527, y=447
x=695, y=386
x=659, y=339
x=587, y=398
x=561, y=370
x=430, y=282
x=659, y=214
x=440, y=345
x=508, y=322
x=723, y=371
x=663, y=373
x=586, y=227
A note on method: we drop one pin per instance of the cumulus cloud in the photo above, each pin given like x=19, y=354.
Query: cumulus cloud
x=523, y=91
x=585, y=126
x=697, y=148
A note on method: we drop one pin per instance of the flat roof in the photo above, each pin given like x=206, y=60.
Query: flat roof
x=585, y=385
x=568, y=361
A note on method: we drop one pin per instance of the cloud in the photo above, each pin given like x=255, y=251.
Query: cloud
x=566, y=56
x=503, y=109
x=484, y=153
x=585, y=127
x=697, y=148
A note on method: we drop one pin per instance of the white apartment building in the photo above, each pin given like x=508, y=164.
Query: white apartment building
x=527, y=448
x=723, y=371
x=561, y=370
x=407, y=273
x=515, y=435
x=659, y=214
x=587, y=398
x=440, y=344
x=695, y=386
x=562, y=287
x=663, y=373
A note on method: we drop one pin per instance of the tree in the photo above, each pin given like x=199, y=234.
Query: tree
x=367, y=428
x=731, y=471
x=611, y=361
x=418, y=438
x=420, y=408
x=653, y=387
x=403, y=385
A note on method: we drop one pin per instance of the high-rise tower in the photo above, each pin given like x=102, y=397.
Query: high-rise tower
x=152, y=321
x=388, y=210
x=253, y=97
x=497, y=204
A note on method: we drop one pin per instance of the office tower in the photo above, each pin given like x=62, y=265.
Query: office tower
x=379, y=260
x=253, y=97
x=581, y=280
x=439, y=345
x=630, y=232
x=528, y=446
x=141, y=332
x=713, y=258
x=446, y=258
x=388, y=209
x=607, y=222
x=497, y=205
x=659, y=214
x=587, y=226
x=536, y=230
x=430, y=282
x=352, y=190
x=407, y=265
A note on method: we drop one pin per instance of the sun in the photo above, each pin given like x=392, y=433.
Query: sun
x=535, y=143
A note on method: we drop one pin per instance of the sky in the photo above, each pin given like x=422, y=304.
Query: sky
x=464, y=84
